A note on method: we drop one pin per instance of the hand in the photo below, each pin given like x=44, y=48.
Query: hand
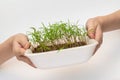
x=19, y=45
x=94, y=28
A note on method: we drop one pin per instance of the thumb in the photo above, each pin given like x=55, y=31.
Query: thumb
x=91, y=33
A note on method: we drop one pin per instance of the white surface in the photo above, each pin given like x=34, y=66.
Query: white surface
x=70, y=56
x=18, y=15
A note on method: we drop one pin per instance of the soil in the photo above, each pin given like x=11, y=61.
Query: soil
x=59, y=46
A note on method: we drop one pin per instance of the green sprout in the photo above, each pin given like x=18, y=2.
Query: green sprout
x=57, y=36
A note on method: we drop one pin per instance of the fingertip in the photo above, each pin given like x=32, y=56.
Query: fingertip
x=27, y=45
x=92, y=36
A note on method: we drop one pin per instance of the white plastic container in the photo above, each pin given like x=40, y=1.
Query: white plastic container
x=65, y=57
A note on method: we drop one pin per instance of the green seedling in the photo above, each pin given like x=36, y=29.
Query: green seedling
x=57, y=36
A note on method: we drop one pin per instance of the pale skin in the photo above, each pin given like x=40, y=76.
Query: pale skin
x=15, y=46
x=96, y=26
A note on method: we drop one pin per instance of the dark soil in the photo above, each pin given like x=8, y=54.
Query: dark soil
x=58, y=47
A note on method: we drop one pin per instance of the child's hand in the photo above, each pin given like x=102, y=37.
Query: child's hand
x=94, y=29
x=19, y=45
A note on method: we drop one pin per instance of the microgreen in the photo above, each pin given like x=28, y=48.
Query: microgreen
x=59, y=35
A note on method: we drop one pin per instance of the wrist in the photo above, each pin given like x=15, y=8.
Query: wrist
x=6, y=50
x=8, y=44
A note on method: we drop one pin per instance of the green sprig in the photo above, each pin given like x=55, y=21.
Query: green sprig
x=50, y=37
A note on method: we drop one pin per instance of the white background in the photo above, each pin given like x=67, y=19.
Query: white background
x=16, y=16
